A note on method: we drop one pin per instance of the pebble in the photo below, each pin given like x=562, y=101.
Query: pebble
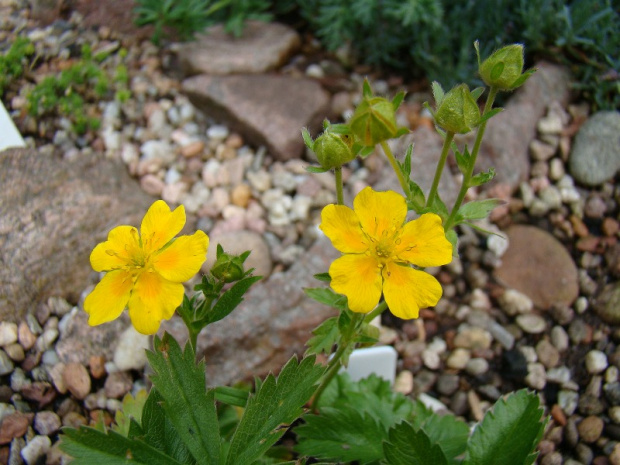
x=117, y=384
x=15, y=352
x=473, y=338
x=46, y=422
x=596, y=362
x=532, y=323
x=25, y=336
x=568, y=400
x=536, y=377
x=513, y=302
x=404, y=382
x=77, y=380
x=35, y=449
x=559, y=338
x=6, y=364
x=477, y=366
x=547, y=354
x=8, y=333
x=130, y=350
x=458, y=359
x=590, y=428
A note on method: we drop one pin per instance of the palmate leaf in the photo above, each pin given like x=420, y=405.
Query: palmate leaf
x=132, y=409
x=88, y=446
x=406, y=446
x=186, y=402
x=509, y=433
x=273, y=408
x=343, y=434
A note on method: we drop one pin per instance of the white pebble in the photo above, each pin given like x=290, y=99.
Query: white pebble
x=8, y=333
x=514, y=302
x=596, y=362
x=217, y=132
x=497, y=244
x=130, y=351
x=36, y=448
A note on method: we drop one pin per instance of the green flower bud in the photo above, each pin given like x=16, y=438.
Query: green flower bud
x=374, y=121
x=228, y=268
x=504, y=68
x=333, y=150
x=457, y=111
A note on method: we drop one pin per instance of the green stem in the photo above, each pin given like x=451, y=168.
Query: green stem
x=404, y=183
x=376, y=312
x=474, y=154
x=334, y=364
x=339, y=195
x=440, y=166
x=193, y=340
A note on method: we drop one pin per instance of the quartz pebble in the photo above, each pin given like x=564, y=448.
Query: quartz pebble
x=596, y=361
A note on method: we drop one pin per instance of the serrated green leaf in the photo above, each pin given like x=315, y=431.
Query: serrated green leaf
x=325, y=336
x=448, y=433
x=463, y=160
x=406, y=166
x=230, y=299
x=325, y=277
x=341, y=434
x=373, y=396
x=88, y=446
x=508, y=433
x=273, y=408
x=159, y=432
x=188, y=405
x=131, y=409
x=478, y=209
x=232, y=396
x=438, y=207
x=406, y=446
x=326, y=296
x=482, y=178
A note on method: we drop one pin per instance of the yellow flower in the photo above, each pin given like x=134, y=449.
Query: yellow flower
x=379, y=247
x=145, y=270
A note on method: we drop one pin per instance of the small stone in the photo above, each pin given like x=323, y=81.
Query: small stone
x=532, y=323
x=513, y=302
x=217, y=132
x=77, y=380
x=404, y=382
x=193, y=149
x=596, y=362
x=610, y=227
x=614, y=414
x=502, y=335
x=548, y=355
x=458, y=359
x=6, y=364
x=8, y=333
x=15, y=352
x=447, y=384
x=96, y=364
x=541, y=151
x=241, y=195
x=590, y=428
x=607, y=303
x=118, y=384
x=536, y=377
x=56, y=373
x=130, y=350
x=477, y=366
x=431, y=359
x=14, y=425
x=612, y=392
x=36, y=448
x=473, y=338
x=25, y=336
x=46, y=422
x=559, y=338
x=595, y=207
x=558, y=415
x=152, y=184
x=553, y=458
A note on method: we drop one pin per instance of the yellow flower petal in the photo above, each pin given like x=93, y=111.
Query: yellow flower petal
x=407, y=290
x=380, y=211
x=160, y=225
x=117, y=251
x=359, y=278
x=152, y=300
x=183, y=258
x=108, y=300
x=423, y=242
x=342, y=226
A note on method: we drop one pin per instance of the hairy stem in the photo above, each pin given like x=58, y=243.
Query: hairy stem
x=474, y=154
x=339, y=187
x=404, y=183
x=442, y=162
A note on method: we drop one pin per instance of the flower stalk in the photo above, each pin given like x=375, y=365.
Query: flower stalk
x=404, y=184
x=474, y=154
x=440, y=166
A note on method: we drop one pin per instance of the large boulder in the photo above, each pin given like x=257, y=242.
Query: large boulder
x=52, y=213
x=267, y=109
